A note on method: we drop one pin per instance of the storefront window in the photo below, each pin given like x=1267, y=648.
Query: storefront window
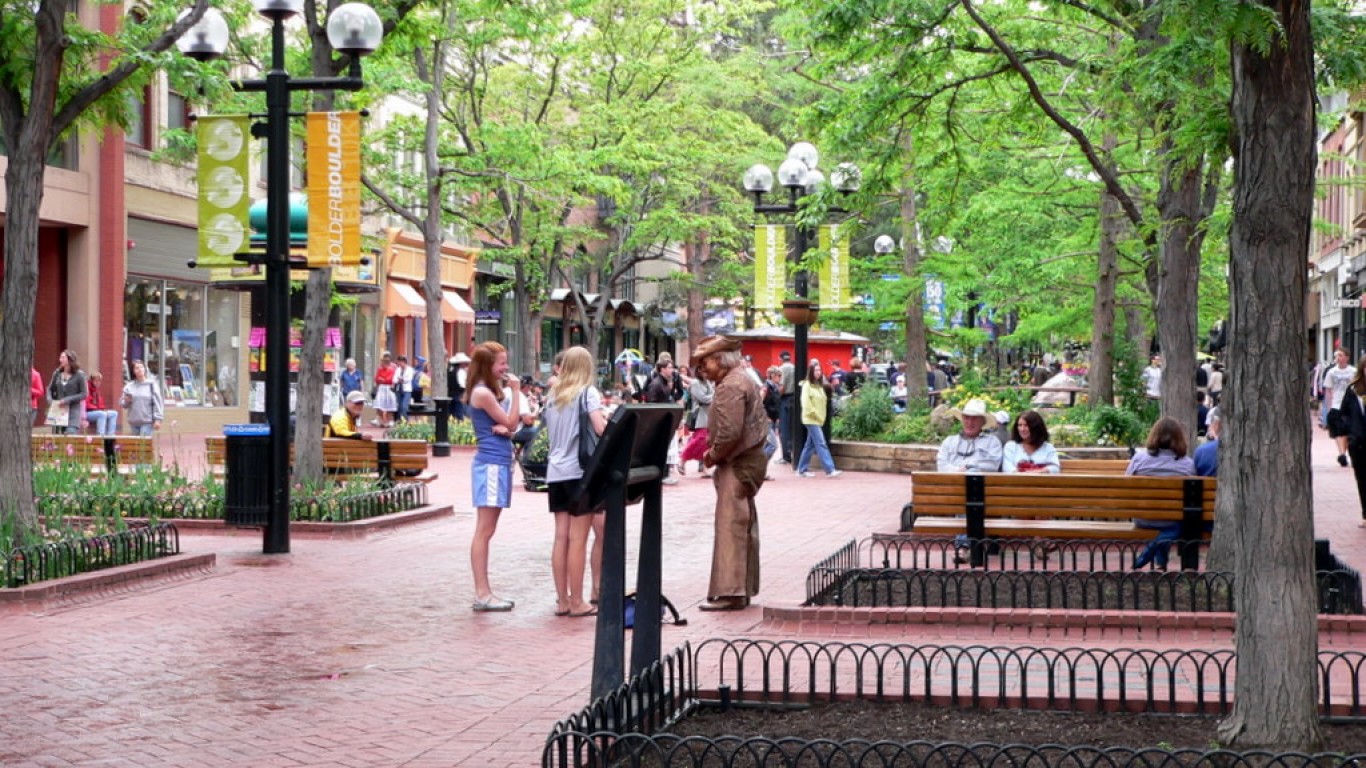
x=183, y=339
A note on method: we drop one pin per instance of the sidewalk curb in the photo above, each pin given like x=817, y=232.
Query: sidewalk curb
x=1147, y=626
x=37, y=595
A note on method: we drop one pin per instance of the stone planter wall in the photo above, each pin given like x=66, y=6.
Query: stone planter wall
x=905, y=459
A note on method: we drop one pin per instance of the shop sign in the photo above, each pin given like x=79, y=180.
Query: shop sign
x=487, y=317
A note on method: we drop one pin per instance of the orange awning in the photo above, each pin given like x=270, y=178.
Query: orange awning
x=454, y=309
x=403, y=300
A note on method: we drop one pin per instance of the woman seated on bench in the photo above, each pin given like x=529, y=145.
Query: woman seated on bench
x=1029, y=449
x=1167, y=455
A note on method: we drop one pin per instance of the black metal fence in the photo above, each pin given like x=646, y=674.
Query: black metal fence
x=339, y=507
x=55, y=559
x=1073, y=575
x=658, y=697
x=621, y=729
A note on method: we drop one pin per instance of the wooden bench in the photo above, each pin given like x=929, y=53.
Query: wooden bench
x=388, y=460
x=1059, y=506
x=121, y=454
x=1094, y=466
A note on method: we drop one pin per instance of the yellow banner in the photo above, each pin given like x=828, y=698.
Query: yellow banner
x=224, y=181
x=333, y=189
x=770, y=266
x=834, y=243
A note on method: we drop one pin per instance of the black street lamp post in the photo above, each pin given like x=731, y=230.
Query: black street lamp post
x=353, y=29
x=799, y=174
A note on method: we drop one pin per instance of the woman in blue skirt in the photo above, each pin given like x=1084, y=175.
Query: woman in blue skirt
x=494, y=398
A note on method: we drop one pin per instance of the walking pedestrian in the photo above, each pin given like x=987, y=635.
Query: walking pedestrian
x=1353, y=421
x=815, y=408
x=68, y=388
x=788, y=396
x=1335, y=383
x=142, y=402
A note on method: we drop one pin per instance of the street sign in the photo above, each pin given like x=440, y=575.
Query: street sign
x=1355, y=303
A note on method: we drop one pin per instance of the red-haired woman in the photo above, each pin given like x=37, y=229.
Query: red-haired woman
x=494, y=398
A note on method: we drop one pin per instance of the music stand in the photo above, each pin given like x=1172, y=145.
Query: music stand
x=627, y=467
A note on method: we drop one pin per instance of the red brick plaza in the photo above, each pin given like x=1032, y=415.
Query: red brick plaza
x=366, y=652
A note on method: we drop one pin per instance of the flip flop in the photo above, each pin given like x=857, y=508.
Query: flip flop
x=582, y=614
x=565, y=612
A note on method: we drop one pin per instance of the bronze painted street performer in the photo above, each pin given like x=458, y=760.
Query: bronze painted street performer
x=738, y=427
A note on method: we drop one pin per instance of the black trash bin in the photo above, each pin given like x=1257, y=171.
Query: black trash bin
x=247, y=477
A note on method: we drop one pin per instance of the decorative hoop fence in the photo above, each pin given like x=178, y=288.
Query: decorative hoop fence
x=1075, y=575
x=624, y=728
x=55, y=559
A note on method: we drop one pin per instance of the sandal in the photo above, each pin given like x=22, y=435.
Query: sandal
x=492, y=604
x=728, y=603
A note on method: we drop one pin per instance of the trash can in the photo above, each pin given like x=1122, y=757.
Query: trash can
x=246, y=498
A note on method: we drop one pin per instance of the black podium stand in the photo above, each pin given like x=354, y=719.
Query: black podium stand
x=627, y=468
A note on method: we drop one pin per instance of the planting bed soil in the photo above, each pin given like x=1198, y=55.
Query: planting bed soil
x=913, y=721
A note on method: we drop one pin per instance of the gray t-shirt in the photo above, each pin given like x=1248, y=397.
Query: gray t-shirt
x=563, y=424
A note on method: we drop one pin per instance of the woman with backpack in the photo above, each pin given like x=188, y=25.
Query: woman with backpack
x=572, y=394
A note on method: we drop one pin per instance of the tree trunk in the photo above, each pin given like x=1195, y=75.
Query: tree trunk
x=24, y=190
x=692, y=257
x=308, y=435
x=1178, y=281
x=1101, y=370
x=916, y=346
x=1265, y=493
x=432, y=235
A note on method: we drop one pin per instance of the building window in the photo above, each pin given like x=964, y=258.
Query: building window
x=140, y=119
x=177, y=111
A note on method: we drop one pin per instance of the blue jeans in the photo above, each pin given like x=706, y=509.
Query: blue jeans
x=143, y=430
x=404, y=398
x=785, y=425
x=106, y=423
x=815, y=441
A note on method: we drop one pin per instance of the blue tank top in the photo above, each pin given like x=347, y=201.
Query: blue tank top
x=491, y=448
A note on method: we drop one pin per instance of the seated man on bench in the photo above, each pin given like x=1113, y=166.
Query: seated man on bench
x=972, y=449
x=345, y=421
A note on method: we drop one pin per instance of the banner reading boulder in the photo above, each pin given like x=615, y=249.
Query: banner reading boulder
x=333, y=189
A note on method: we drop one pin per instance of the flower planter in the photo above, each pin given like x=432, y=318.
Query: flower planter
x=800, y=311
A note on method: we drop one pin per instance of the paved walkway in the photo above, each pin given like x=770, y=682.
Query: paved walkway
x=366, y=653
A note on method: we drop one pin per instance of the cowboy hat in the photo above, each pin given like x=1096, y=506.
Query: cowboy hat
x=713, y=344
x=976, y=407
x=460, y=358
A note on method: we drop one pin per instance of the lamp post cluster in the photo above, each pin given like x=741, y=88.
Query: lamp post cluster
x=353, y=29
x=800, y=174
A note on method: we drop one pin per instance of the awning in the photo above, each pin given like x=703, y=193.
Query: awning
x=454, y=309
x=403, y=300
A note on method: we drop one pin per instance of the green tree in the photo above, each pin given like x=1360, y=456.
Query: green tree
x=59, y=78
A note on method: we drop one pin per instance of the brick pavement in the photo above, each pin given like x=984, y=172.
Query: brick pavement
x=365, y=653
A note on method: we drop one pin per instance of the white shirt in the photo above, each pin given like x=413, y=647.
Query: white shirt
x=1336, y=381
x=1015, y=452
x=1152, y=377
x=970, y=454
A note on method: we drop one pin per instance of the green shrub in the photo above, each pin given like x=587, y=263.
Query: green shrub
x=867, y=414
x=412, y=430
x=1117, y=426
x=910, y=428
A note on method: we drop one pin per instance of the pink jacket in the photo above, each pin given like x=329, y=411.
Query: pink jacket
x=35, y=388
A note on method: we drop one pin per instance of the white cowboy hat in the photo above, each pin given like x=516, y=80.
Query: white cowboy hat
x=976, y=407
